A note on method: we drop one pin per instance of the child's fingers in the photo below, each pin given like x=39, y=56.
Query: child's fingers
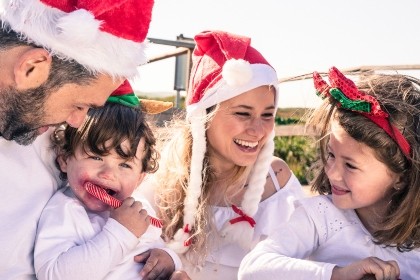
x=383, y=269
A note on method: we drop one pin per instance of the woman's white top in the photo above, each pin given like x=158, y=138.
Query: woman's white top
x=224, y=259
x=73, y=243
x=318, y=237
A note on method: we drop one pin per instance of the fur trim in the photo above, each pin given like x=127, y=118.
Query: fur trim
x=237, y=72
x=252, y=196
x=177, y=243
x=240, y=233
x=63, y=35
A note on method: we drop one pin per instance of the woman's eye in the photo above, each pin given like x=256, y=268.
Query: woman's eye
x=351, y=166
x=268, y=116
x=242, y=114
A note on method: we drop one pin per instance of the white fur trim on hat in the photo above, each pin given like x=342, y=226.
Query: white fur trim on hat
x=75, y=35
x=262, y=74
x=236, y=72
x=242, y=232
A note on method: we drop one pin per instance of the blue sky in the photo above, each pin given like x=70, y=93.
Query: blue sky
x=295, y=36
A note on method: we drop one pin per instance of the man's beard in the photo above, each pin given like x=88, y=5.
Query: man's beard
x=21, y=114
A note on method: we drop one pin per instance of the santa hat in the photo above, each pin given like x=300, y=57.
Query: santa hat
x=125, y=95
x=105, y=36
x=224, y=66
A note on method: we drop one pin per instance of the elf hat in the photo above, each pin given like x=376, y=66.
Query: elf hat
x=224, y=66
x=125, y=95
x=104, y=36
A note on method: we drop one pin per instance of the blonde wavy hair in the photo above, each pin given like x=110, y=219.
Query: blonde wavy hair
x=171, y=183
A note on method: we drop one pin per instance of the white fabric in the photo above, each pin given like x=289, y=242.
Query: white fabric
x=28, y=180
x=63, y=34
x=262, y=74
x=224, y=259
x=73, y=243
x=325, y=235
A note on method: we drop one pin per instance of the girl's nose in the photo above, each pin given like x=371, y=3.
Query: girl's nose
x=333, y=172
x=106, y=172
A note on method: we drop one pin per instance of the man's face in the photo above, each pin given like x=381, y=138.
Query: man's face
x=26, y=114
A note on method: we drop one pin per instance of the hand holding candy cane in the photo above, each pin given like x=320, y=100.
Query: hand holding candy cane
x=129, y=205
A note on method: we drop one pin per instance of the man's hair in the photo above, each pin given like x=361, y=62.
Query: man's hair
x=63, y=70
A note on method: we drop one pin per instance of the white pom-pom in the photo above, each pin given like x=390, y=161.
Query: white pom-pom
x=177, y=243
x=79, y=26
x=236, y=72
x=240, y=233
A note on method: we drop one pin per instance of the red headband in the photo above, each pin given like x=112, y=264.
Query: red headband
x=349, y=97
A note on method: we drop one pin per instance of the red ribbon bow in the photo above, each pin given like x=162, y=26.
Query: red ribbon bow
x=243, y=217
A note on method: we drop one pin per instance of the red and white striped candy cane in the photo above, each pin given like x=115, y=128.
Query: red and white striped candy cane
x=103, y=196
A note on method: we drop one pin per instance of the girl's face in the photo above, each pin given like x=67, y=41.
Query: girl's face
x=358, y=180
x=240, y=128
x=118, y=176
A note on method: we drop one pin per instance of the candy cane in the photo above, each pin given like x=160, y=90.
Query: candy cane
x=103, y=196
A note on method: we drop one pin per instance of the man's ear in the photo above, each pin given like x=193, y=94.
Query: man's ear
x=62, y=162
x=32, y=68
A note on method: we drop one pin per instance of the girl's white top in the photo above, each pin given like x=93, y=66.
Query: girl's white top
x=318, y=237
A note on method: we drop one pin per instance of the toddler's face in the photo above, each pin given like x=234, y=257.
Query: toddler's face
x=117, y=176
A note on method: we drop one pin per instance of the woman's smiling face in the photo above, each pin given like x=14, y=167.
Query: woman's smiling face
x=240, y=128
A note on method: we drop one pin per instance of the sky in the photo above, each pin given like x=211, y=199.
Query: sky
x=295, y=36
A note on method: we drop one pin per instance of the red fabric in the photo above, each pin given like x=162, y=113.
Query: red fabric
x=213, y=49
x=127, y=19
x=243, y=217
x=123, y=89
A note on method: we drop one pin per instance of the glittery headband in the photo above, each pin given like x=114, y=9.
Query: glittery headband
x=349, y=97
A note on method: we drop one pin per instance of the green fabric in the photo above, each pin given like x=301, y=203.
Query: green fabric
x=354, y=105
x=130, y=100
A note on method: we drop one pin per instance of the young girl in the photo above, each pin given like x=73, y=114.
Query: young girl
x=80, y=234
x=366, y=223
x=219, y=188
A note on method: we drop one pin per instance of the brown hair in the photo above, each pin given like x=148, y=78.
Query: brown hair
x=115, y=123
x=399, y=96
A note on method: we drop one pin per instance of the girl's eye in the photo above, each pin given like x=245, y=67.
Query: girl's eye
x=125, y=165
x=330, y=155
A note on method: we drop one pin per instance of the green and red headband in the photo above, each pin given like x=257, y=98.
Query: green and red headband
x=349, y=97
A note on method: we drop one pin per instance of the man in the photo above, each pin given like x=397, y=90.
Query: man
x=57, y=59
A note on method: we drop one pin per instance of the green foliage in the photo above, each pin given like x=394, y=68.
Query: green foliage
x=299, y=152
x=284, y=121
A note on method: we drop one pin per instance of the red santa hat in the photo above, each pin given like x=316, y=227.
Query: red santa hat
x=105, y=36
x=224, y=66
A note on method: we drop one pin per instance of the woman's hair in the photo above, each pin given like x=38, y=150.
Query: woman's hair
x=399, y=96
x=63, y=70
x=104, y=129
x=171, y=183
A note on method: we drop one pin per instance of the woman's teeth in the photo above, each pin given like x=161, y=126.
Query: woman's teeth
x=245, y=143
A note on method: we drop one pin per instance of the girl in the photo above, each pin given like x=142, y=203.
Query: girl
x=219, y=188
x=366, y=222
x=80, y=236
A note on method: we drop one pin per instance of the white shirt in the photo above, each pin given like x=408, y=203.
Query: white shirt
x=73, y=243
x=28, y=179
x=224, y=259
x=318, y=237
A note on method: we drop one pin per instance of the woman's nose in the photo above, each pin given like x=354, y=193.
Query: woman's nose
x=257, y=128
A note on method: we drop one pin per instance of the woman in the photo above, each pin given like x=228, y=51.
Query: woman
x=219, y=189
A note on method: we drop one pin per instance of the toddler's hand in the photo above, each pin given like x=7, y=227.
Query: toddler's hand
x=372, y=268
x=132, y=215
